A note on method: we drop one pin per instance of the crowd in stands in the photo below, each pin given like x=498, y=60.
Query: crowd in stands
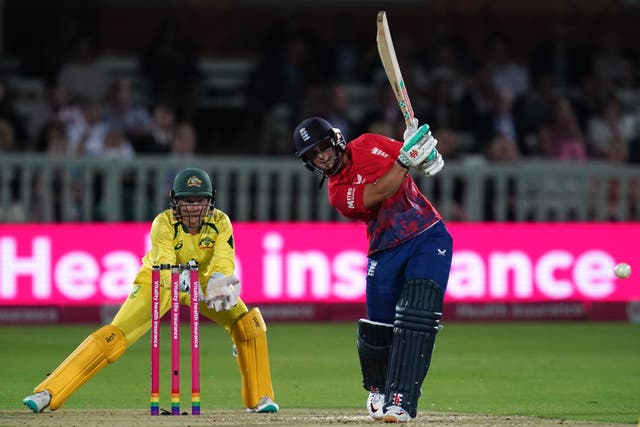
x=558, y=101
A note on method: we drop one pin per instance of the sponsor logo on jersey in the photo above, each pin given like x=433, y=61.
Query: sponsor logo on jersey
x=351, y=197
x=206, y=243
x=134, y=291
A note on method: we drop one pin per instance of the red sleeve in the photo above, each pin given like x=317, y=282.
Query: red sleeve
x=349, y=200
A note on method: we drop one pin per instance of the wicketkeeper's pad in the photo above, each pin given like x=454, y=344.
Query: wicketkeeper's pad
x=250, y=337
x=99, y=349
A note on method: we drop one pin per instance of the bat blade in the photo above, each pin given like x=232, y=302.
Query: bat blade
x=392, y=68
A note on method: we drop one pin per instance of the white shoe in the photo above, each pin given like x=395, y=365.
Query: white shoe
x=375, y=405
x=396, y=414
x=265, y=405
x=38, y=402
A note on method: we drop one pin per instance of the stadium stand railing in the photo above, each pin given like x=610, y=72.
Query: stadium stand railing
x=41, y=188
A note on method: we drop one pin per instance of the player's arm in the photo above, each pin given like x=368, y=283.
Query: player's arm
x=223, y=287
x=224, y=251
x=386, y=186
x=161, y=251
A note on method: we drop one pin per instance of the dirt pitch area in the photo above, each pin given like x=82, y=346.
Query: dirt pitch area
x=286, y=417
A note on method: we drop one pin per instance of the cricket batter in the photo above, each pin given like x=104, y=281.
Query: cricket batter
x=409, y=256
x=192, y=228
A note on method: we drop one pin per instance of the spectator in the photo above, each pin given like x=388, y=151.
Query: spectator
x=588, y=99
x=81, y=75
x=612, y=127
x=10, y=116
x=477, y=101
x=534, y=109
x=88, y=137
x=335, y=109
x=501, y=149
x=121, y=112
x=446, y=68
x=449, y=148
x=562, y=138
x=54, y=107
x=348, y=50
x=611, y=65
x=53, y=139
x=279, y=82
x=502, y=121
x=183, y=146
x=15, y=211
x=7, y=136
x=505, y=70
x=161, y=131
x=170, y=63
x=442, y=107
x=117, y=146
x=385, y=118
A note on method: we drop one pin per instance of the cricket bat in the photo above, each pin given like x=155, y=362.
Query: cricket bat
x=391, y=67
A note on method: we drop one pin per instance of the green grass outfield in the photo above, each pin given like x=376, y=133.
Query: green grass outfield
x=582, y=371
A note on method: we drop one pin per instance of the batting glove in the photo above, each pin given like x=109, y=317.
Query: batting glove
x=411, y=129
x=418, y=147
x=433, y=166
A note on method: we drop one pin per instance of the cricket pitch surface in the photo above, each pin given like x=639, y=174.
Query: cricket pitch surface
x=286, y=417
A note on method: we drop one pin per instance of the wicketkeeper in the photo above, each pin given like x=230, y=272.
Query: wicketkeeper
x=192, y=228
x=409, y=254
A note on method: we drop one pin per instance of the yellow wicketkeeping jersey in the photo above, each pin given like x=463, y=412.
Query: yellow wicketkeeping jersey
x=213, y=248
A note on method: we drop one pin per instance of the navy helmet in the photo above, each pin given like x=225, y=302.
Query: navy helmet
x=312, y=132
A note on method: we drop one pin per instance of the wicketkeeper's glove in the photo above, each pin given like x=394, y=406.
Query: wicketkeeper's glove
x=222, y=292
x=185, y=284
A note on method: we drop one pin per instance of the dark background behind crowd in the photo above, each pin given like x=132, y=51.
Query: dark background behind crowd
x=498, y=80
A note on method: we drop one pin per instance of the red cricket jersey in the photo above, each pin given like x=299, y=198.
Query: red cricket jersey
x=398, y=218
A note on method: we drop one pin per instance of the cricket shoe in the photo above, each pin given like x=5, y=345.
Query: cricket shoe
x=265, y=405
x=37, y=402
x=375, y=405
x=396, y=414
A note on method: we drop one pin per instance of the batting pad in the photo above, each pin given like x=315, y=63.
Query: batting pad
x=99, y=349
x=250, y=336
x=418, y=314
x=374, y=343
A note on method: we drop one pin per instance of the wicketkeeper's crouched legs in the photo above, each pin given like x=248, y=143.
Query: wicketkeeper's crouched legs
x=99, y=349
x=418, y=314
x=250, y=337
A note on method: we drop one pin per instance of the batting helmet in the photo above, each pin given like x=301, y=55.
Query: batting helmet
x=312, y=132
